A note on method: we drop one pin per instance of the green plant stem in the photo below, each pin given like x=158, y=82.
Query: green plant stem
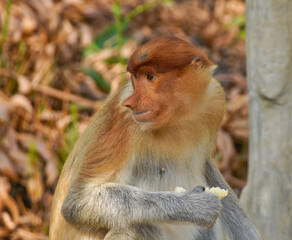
x=5, y=33
x=119, y=26
x=6, y=21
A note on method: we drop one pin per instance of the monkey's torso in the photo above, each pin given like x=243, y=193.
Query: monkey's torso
x=154, y=174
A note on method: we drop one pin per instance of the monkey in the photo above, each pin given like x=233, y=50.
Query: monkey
x=156, y=133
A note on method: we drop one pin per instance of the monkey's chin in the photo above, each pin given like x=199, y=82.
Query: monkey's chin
x=145, y=116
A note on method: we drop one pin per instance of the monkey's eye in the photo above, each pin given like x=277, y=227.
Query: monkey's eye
x=196, y=59
x=150, y=77
x=135, y=76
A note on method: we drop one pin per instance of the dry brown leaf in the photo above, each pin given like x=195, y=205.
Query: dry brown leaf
x=239, y=128
x=20, y=101
x=4, y=232
x=29, y=25
x=18, y=157
x=24, y=85
x=86, y=35
x=8, y=222
x=49, y=115
x=235, y=7
x=240, y=133
x=237, y=103
x=35, y=186
x=66, y=96
x=51, y=166
x=63, y=122
x=226, y=147
x=31, y=218
x=7, y=200
x=210, y=31
x=24, y=234
x=129, y=47
x=28, y=217
x=233, y=93
x=83, y=85
x=4, y=118
x=234, y=181
x=90, y=89
x=6, y=167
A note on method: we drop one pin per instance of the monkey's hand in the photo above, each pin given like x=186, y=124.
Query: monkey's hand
x=203, y=208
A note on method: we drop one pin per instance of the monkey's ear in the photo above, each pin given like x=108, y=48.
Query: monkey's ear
x=199, y=63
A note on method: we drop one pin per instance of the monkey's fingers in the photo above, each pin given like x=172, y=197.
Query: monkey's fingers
x=221, y=193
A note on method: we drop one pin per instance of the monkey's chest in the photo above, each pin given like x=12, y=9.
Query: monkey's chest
x=163, y=175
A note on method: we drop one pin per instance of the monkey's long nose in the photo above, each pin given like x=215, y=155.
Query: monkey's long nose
x=130, y=102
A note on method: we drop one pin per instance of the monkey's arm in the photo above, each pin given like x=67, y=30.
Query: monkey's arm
x=114, y=205
x=235, y=221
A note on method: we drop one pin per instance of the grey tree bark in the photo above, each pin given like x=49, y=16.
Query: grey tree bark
x=268, y=194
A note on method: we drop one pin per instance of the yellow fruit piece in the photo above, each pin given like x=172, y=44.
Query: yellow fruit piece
x=179, y=189
x=221, y=193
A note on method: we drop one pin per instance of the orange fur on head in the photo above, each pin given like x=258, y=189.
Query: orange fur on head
x=165, y=54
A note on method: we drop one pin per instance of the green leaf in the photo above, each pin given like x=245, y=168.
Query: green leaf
x=241, y=34
x=236, y=21
x=98, y=78
x=115, y=60
x=33, y=156
x=108, y=38
x=109, y=33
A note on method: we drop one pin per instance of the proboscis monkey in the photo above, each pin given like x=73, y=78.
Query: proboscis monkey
x=156, y=133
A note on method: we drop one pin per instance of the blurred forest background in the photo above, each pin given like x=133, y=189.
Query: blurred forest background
x=60, y=60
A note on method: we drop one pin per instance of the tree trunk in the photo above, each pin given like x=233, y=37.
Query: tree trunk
x=268, y=195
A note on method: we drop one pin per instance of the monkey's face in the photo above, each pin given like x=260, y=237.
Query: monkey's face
x=152, y=100
x=169, y=77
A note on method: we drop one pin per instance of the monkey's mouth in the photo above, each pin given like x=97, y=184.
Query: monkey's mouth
x=142, y=116
x=140, y=113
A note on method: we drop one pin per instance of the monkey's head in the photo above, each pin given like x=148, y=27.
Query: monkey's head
x=169, y=77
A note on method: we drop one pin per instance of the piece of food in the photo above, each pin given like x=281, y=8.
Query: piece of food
x=179, y=189
x=221, y=193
